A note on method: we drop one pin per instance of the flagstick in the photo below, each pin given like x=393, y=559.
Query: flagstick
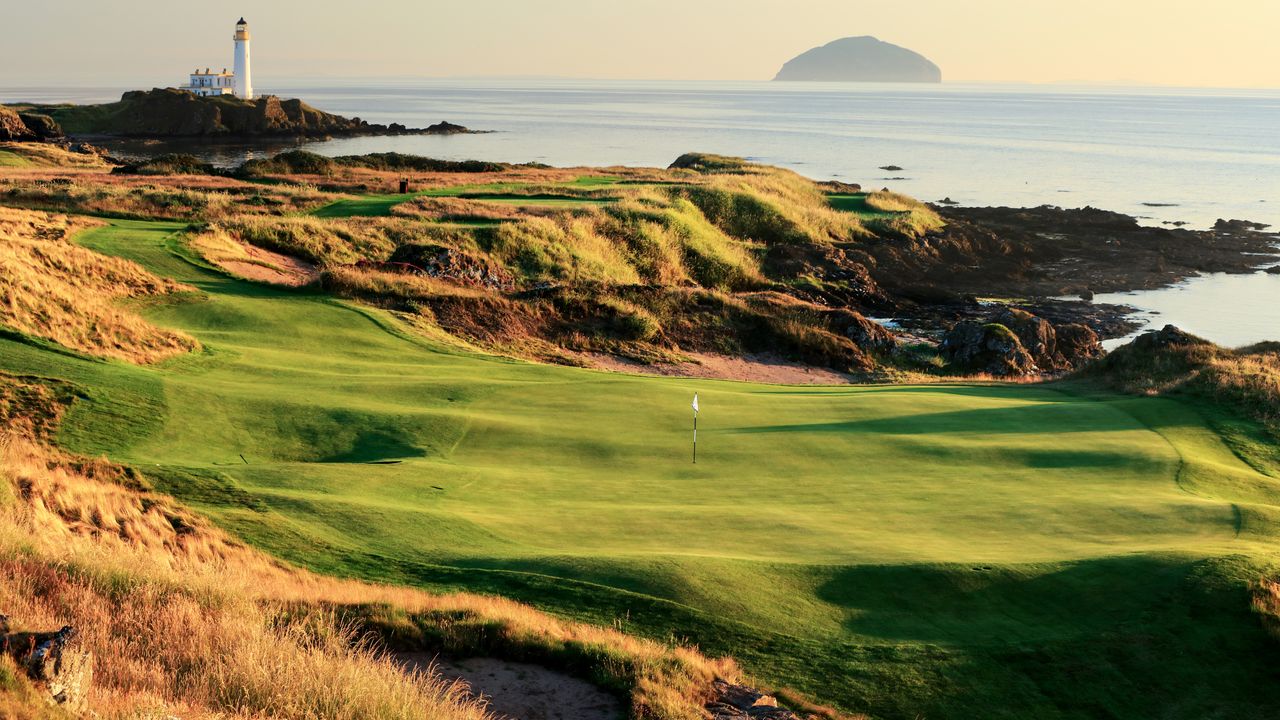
x=695, y=437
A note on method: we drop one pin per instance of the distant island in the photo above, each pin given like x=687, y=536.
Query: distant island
x=861, y=59
x=175, y=113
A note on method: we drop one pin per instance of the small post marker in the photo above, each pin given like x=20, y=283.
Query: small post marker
x=695, y=428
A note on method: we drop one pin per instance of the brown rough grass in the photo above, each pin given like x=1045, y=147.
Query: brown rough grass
x=56, y=290
x=95, y=191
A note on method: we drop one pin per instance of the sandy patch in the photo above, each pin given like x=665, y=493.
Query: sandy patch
x=751, y=368
x=520, y=691
x=259, y=265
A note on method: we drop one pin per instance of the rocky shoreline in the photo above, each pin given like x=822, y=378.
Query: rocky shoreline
x=1051, y=262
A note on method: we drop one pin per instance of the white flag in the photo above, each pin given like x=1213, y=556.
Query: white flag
x=695, y=403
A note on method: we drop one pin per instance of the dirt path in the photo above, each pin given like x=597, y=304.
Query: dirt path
x=519, y=691
x=752, y=368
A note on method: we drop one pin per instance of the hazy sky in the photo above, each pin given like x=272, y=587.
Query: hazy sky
x=141, y=43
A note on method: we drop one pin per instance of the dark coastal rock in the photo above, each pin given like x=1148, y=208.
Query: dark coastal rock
x=1237, y=226
x=1048, y=251
x=1078, y=344
x=860, y=59
x=446, y=128
x=989, y=348
x=43, y=127
x=1166, y=337
x=1052, y=348
x=12, y=128
x=866, y=334
x=1274, y=270
x=1036, y=334
x=891, y=168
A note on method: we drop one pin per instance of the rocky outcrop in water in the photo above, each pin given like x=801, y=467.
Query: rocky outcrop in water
x=861, y=59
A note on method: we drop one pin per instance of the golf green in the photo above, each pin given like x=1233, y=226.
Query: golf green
x=958, y=550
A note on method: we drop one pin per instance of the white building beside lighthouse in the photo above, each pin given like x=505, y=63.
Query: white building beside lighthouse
x=205, y=83
x=239, y=82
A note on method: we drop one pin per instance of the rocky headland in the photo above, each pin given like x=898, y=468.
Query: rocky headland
x=172, y=113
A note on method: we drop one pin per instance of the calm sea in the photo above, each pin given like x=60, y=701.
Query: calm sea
x=1165, y=155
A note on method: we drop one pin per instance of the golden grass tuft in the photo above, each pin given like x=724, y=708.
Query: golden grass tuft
x=53, y=289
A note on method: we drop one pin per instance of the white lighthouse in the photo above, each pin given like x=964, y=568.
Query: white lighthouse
x=243, y=79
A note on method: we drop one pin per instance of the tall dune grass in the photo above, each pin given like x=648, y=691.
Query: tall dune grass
x=53, y=289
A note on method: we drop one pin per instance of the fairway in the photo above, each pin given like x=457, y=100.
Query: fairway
x=997, y=550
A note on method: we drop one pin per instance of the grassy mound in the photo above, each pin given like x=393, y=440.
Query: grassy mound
x=168, y=164
x=1243, y=382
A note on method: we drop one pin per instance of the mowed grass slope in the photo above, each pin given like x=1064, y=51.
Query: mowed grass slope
x=906, y=551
